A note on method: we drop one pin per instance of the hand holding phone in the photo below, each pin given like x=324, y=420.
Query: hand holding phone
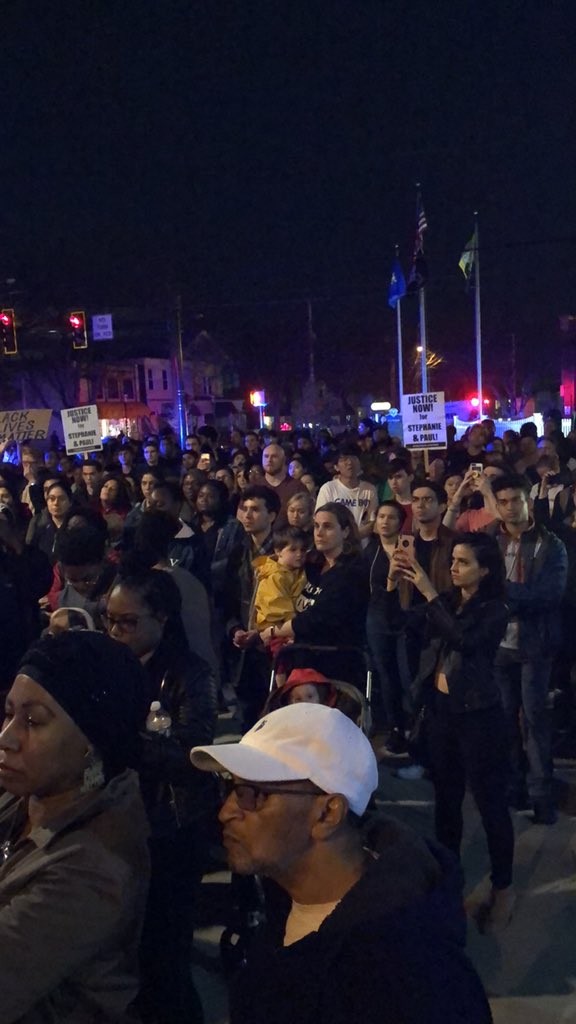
x=406, y=545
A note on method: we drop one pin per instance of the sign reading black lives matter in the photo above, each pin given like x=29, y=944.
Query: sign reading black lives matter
x=24, y=424
x=81, y=429
x=424, y=420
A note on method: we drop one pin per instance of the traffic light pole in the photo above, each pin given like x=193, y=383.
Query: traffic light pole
x=179, y=374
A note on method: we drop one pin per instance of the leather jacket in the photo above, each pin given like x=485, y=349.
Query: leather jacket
x=462, y=642
x=175, y=793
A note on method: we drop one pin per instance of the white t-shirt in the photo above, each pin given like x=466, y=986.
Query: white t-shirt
x=305, y=918
x=553, y=491
x=362, y=500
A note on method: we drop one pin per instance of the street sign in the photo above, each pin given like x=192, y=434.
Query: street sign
x=102, y=329
x=81, y=429
x=424, y=420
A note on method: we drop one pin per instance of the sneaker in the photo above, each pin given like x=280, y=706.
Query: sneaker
x=394, y=746
x=544, y=813
x=494, y=915
x=396, y=742
x=410, y=772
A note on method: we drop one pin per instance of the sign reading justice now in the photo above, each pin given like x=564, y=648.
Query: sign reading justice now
x=424, y=420
x=81, y=429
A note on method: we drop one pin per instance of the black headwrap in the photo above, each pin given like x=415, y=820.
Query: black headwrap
x=100, y=684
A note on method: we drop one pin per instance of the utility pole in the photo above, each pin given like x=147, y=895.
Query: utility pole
x=514, y=384
x=178, y=363
x=311, y=341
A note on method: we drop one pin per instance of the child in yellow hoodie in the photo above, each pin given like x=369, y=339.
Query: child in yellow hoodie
x=280, y=579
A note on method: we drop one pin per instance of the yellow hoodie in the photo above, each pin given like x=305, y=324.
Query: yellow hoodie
x=277, y=589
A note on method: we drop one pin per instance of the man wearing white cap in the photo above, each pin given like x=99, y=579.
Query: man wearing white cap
x=354, y=935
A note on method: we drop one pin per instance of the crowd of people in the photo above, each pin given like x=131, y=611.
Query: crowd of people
x=209, y=574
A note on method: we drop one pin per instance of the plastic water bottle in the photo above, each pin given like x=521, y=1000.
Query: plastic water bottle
x=158, y=720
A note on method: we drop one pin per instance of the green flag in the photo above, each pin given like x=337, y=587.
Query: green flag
x=468, y=257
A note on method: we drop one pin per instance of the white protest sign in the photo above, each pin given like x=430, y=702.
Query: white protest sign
x=102, y=329
x=24, y=424
x=81, y=429
x=424, y=420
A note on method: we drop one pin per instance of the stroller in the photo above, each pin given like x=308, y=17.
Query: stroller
x=346, y=696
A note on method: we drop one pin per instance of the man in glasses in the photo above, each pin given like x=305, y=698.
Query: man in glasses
x=356, y=933
x=83, y=569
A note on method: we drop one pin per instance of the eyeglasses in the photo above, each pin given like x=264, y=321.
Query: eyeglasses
x=427, y=499
x=251, y=797
x=85, y=580
x=124, y=623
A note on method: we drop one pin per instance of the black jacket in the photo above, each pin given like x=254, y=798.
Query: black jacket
x=175, y=793
x=332, y=607
x=392, y=952
x=463, y=642
x=24, y=579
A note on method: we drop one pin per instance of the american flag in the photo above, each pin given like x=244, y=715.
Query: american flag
x=421, y=226
x=419, y=271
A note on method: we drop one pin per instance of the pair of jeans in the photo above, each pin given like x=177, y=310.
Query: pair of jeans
x=524, y=687
x=471, y=748
x=384, y=650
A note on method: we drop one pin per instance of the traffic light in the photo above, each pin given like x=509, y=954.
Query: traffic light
x=77, y=321
x=8, y=332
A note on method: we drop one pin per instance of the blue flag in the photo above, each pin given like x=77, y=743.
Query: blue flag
x=397, y=288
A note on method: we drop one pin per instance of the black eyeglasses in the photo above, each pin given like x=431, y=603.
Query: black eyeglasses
x=252, y=797
x=124, y=623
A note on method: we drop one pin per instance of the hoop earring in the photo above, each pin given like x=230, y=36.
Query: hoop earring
x=93, y=777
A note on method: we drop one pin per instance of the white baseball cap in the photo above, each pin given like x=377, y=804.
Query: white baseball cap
x=302, y=741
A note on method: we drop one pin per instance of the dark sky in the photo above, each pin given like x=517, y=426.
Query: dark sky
x=261, y=151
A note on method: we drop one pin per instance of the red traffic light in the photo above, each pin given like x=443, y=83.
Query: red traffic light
x=8, y=338
x=77, y=321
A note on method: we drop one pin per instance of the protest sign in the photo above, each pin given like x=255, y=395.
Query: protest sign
x=81, y=429
x=424, y=420
x=25, y=424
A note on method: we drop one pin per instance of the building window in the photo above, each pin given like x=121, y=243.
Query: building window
x=112, y=388
x=128, y=389
x=206, y=385
x=164, y=380
x=150, y=380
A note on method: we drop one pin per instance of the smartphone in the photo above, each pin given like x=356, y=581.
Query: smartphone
x=406, y=544
x=477, y=468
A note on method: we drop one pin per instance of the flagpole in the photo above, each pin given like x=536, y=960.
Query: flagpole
x=399, y=343
x=400, y=366
x=422, y=302
x=423, y=354
x=477, y=318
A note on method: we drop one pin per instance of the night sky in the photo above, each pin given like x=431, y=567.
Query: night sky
x=255, y=153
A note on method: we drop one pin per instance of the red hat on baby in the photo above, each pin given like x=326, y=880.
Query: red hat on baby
x=302, y=676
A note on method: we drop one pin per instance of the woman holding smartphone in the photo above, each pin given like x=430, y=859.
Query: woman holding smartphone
x=465, y=730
